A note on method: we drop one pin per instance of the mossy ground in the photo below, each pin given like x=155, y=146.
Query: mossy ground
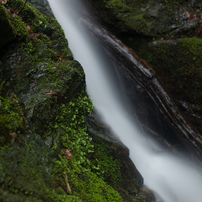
x=45, y=115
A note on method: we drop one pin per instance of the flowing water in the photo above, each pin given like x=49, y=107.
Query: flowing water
x=172, y=178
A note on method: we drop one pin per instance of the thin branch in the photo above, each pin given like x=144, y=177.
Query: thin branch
x=67, y=184
x=22, y=8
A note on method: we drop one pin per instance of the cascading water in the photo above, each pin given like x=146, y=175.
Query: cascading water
x=173, y=179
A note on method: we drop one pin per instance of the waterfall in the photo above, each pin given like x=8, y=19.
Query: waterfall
x=172, y=178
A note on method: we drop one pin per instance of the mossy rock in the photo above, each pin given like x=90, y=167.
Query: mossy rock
x=24, y=169
x=51, y=93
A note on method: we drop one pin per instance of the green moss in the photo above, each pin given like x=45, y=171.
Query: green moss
x=140, y=22
x=26, y=170
x=19, y=26
x=83, y=183
x=5, y=196
x=106, y=163
x=70, y=121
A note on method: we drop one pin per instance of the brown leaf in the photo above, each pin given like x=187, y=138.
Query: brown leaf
x=60, y=56
x=34, y=35
x=67, y=153
x=50, y=93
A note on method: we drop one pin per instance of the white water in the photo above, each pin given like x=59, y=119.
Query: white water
x=173, y=179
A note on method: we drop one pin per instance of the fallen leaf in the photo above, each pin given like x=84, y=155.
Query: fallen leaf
x=67, y=153
x=60, y=56
x=34, y=35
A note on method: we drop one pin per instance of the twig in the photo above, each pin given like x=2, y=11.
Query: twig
x=68, y=187
x=22, y=8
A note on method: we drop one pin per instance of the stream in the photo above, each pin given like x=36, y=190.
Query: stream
x=172, y=177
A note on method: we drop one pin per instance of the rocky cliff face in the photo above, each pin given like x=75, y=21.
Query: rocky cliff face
x=167, y=35
x=46, y=151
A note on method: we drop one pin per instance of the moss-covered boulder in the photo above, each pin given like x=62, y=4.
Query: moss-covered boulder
x=46, y=153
